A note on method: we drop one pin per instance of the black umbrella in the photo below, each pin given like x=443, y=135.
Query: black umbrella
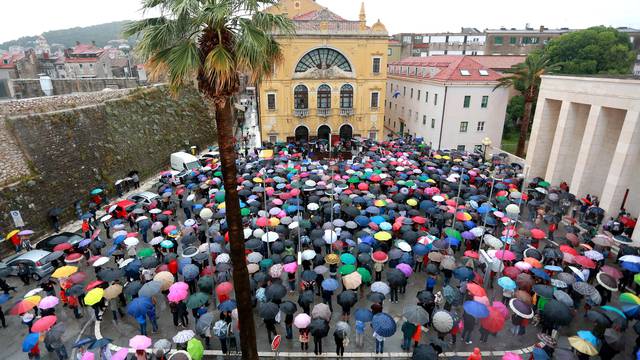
x=545, y=291
x=347, y=298
x=149, y=262
x=132, y=288
x=268, y=310
x=260, y=277
x=425, y=296
x=395, y=277
x=253, y=244
x=319, y=327
x=275, y=291
x=306, y=298
x=375, y=297
x=109, y=274
x=288, y=307
x=424, y=352
x=308, y=275
x=75, y=290
x=598, y=317
x=557, y=313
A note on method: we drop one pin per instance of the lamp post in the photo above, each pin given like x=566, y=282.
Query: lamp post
x=486, y=142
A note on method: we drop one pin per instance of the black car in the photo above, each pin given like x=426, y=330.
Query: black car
x=50, y=242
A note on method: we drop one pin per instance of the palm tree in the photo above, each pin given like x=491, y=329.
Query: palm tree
x=208, y=43
x=526, y=79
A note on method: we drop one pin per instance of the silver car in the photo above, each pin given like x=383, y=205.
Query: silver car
x=145, y=198
x=34, y=260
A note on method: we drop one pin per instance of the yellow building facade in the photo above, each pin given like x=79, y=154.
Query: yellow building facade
x=332, y=81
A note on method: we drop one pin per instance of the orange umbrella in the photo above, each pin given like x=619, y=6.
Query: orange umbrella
x=22, y=307
x=533, y=262
x=476, y=290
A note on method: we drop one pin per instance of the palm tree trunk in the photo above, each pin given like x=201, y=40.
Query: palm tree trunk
x=524, y=127
x=241, y=285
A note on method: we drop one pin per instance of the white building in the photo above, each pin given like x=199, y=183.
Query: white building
x=586, y=131
x=449, y=101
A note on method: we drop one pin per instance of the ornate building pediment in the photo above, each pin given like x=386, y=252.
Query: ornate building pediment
x=333, y=72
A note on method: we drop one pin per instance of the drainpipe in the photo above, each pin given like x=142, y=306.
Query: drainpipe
x=444, y=106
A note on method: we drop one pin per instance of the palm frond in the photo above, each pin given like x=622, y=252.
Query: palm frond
x=219, y=66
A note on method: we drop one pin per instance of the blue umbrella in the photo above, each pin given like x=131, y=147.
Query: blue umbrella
x=364, y=315
x=383, y=324
x=227, y=305
x=483, y=209
x=364, y=248
x=491, y=221
x=463, y=273
x=539, y=354
x=420, y=249
x=378, y=219
x=84, y=243
x=452, y=241
x=553, y=268
x=633, y=267
x=506, y=283
x=330, y=284
x=588, y=335
x=4, y=298
x=369, y=240
x=100, y=343
x=362, y=220
x=139, y=306
x=84, y=341
x=476, y=309
x=119, y=239
x=167, y=244
x=541, y=274
x=30, y=341
x=86, y=216
x=190, y=272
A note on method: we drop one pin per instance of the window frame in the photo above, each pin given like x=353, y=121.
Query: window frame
x=373, y=65
x=464, y=127
x=275, y=101
x=484, y=103
x=433, y=123
x=466, y=102
x=346, y=94
x=377, y=97
x=298, y=94
x=480, y=126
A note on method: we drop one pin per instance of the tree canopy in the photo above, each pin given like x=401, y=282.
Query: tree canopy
x=596, y=50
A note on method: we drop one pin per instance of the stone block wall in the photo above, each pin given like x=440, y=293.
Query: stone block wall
x=29, y=88
x=68, y=152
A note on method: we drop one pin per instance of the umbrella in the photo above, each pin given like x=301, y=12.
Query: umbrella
x=276, y=291
x=139, y=342
x=197, y=300
x=383, y=324
x=100, y=343
x=582, y=345
x=302, y=321
x=94, y=296
x=476, y=290
x=521, y=308
x=343, y=328
x=380, y=287
x=363, y=314
x=330, y=284
x=545, y=291
x=607, y=281
x=64, y=271
x=476, y=309
x=44, y=323
x=506, y=283
x=563, y=297
x=347, y=298
x=352, y=281
x=442, y=321
x=131, y=289
x=48, y=302
x=30, y=341
x=321, y=311
x=494, y=322
x=195, y=348
x=268, y=310
x=183, y=336
x=424, y=352
x=583, y=288
x=150, y=288
x=415, y=314
x=319, y=327
x=556, y=312
x=288, y=307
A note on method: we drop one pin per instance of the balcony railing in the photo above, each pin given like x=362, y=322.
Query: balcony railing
x=324, y=111
x=301, y=113
x=346, y=112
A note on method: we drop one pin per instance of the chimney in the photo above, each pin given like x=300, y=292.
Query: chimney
x=77, y=42
x=93, y=42
x=541, y=28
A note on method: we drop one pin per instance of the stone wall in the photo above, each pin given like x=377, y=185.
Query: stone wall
x=29, y=88
x=68, y=152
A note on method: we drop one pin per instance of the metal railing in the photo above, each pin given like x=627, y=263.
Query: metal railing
x=324, y=111
x=301, y=113
x=346, y=112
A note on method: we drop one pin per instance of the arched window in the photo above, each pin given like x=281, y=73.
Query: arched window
x=323, y=58
x=346, y=132
x=301, y=97
x=302, y=134
x=323, y=132
x=324, y=97
x=346, y=96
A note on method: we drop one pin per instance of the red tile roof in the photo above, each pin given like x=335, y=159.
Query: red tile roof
x=501, y=62
x=445, y=68
x=82, y=49
x=323, y=14
x=81, y=60
x=11, y=60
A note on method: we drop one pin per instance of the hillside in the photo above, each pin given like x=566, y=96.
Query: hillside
x=99, y=33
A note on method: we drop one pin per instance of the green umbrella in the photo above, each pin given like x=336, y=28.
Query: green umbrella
x=217, y=173
x=347, y=269
x=245, y=211
x=205, y=284
x=453, y=233
x=196, y=300
x=364, y=274
x=96, y=191
x=146, y=252
x=220, y=196
x=265, y=263
x=353, y=180
x=347, y=259
x=544, y=184
x=195, y=349
x=305, y=224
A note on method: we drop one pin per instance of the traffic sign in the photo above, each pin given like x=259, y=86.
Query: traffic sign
x=275, y=344
x=17, y=218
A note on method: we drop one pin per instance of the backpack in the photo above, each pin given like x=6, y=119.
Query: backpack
x=220, y=328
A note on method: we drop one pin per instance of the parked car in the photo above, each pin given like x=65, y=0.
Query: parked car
x=50, y=242
x=183, y=161
x=144, y=198
x=120, y=209
x=32, y=259
x=209, y=155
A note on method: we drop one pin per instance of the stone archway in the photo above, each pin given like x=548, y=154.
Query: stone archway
x=324, y=132
x=302, y=134
x=346, y=132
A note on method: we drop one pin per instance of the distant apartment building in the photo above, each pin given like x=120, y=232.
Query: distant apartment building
x=448, y=100
x=469, y=41
x=86, y=61
x=395, y=50
x=17, y=65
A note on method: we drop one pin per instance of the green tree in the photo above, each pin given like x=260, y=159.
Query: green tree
x=210, y=42
x=515, y=110
x=596, y=50
x=525, y=77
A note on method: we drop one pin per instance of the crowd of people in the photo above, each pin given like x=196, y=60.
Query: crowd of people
x=489, y=246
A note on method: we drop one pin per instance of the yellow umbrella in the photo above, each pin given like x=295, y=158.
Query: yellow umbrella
x=352, y=281
x=165, y=278
x=412, y=202
x=10, y=235
x=274, y=221
x=437, y=157
x=583, y=345
x=446, y=157
x=35, y=299
x=382, y=236
x=431, y=181
x=93, y=296
x=332, y=259
x=257, y=180
x=380, y=203
x=114, y=290
x=64, y=271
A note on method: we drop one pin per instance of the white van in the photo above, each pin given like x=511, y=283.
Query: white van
x=181, y=161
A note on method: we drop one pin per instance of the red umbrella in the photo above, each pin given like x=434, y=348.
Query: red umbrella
x=73, y=258
x=511, y=271
x=419, y=220
x=494, y=322
x=476, y=290
x=262, y=221
x=585, y=261
x=568, y=249
x=224, y=288
x=78, y=277
x=573, y=238
x=62, y=247
x=22, y=307
x=613, y=272
x=471, y=254
x=537, y=234
x=380, y=256
x=505, y=255
x=43, y=324
x=93, y=284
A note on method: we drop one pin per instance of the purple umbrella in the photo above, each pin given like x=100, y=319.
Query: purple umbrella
x=467, y=235
x=405, y=268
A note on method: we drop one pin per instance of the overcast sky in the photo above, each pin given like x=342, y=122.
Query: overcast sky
x=32, y=17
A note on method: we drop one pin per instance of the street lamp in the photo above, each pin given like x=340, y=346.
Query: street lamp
x=486, y=142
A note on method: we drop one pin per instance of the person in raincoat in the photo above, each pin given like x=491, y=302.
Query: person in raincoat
x=475, y=355
x=408, y=329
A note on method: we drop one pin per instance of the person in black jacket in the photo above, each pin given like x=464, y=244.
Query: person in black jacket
x=469, y=325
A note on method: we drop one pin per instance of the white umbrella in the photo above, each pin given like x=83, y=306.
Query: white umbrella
x=155, y=211
x=131, y=241
x=254, y=257
x=330, y=236
x=492, y=241
x=477, y=231
x=223, y=258
x=313, y=206
x=156, y=240
x=380, y=287
x=247, y=233
x=125, y=262
x=101, y=261
x=118, y=233
x=183, y=336
x=105, y=218
x=270, y=237
x=404, y=246
x=308, y=254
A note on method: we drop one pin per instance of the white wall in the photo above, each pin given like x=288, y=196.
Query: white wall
x=438, y=39
x=493, y=115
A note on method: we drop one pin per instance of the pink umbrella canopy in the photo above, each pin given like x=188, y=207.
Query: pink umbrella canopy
x=44, y=323
x=262, y=221
x=302, y=321
x=405, y=268
x=505, y=255
x=290, y=267
x=48, y=302
x=612, y=271
x=511, y=356
x=139, y=342
x=177, y=295
x=180, y=285
x=502, y=308
x=224, y=288
x=120, y=354
x=88, y=356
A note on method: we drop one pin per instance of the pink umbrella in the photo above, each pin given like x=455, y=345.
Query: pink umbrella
x=43, y=324
x=262, y=221
x=180, y=285
x=290, y=267
x=482, y=299
x=88, y=356
x=169, y=229
x=502, y=308
x=177, y=295
x=505, y=255
x=302, y=321
x=524, y=266
x=48, y=302
x=224, y=288
x=120, y=354
x=610, y=270
x=406, y=269
x=511, y=356
x=139, y=342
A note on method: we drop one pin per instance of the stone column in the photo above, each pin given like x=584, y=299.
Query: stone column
x=588, y=149
x=622, y=164
x=555, y=161
x=566, y=143
x=542, y=131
